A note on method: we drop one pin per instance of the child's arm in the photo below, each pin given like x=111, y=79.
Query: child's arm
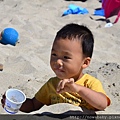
x=96, y=99
x=28, y=106
x=31, y=105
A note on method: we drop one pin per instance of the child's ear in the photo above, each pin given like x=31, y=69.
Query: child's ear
x=86, y=62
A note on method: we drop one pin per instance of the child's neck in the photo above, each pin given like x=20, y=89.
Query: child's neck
x=76, y=79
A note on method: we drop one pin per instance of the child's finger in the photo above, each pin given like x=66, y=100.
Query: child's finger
x=3, y=96
x=3, y=100
x=71, y=80
x=61, y=85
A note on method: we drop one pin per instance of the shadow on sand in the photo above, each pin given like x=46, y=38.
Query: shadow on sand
x=68, y=115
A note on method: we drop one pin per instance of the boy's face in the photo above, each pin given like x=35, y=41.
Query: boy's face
x=67, y=59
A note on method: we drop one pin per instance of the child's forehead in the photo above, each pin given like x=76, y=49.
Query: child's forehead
x=67, y=46
x=69, y=39
x=67, y=43
x=66, y=40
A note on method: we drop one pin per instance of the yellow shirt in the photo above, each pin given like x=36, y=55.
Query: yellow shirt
x=48, y=95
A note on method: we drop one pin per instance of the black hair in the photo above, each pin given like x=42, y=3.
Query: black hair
x=80, y=32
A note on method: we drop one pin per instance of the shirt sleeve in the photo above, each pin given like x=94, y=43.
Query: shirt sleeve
x=97, y=86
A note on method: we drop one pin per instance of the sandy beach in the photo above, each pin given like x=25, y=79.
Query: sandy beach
x=26, y=65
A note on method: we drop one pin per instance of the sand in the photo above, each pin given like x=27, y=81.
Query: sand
x=26, y=65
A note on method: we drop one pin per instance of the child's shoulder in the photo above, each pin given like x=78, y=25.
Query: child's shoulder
x=89, y=81
x=90, y=77
x=87, y=78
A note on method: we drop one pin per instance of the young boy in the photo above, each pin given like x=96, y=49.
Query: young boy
x=71, y=53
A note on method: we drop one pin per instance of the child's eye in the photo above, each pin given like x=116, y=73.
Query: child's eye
x=53, y=54
x=66, y=57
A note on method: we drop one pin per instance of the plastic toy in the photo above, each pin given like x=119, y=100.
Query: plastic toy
x=9, y=36
x=73, y=9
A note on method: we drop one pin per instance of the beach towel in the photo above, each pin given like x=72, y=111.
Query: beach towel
x=111, y=8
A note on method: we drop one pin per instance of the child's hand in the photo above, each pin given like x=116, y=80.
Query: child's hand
x=3, y=100
x=67, y=85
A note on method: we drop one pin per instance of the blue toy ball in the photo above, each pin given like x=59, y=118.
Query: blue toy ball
x=9, y=36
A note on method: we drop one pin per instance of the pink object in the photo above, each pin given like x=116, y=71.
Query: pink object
x=111, y=8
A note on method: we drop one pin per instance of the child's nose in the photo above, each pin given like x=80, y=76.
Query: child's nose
x=59, y=62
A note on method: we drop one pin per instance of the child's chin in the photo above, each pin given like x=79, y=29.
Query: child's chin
x=61, y=77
